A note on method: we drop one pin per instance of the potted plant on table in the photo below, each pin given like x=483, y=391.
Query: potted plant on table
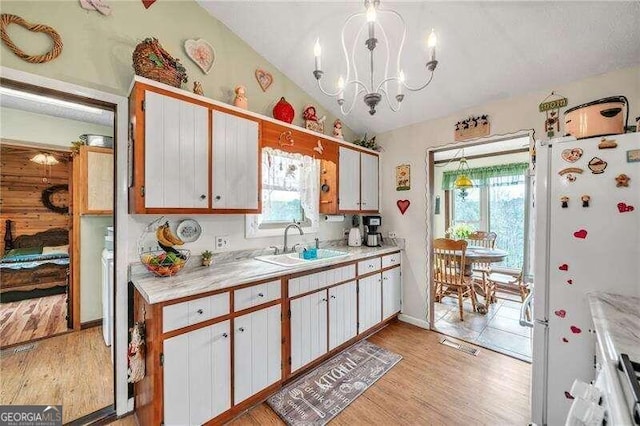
x=207, y=258
x=460, y=231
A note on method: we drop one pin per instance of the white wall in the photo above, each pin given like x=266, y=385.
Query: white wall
x=27, y=126
x=439, y=225
x=92, y=231
x=409, y=145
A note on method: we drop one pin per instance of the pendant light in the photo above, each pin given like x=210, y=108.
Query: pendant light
x=46, y=160
x=463, y=181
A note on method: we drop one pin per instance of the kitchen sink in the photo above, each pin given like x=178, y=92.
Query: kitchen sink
x=289, y=260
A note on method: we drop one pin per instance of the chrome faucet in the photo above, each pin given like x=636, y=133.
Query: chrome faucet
x=286, y=230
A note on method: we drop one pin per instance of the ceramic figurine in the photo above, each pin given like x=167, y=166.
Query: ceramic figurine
x=585, y=200
x=241, y=98
x=337, y=129
x=311, y=120
x=197, y=88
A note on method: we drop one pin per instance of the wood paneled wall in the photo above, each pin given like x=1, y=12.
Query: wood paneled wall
x=21, y=189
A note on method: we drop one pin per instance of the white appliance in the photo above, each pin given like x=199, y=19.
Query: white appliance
x=355, y=237
x=107, y=297
x=578, y=248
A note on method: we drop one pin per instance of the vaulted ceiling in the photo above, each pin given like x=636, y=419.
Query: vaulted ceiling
x=487, y=50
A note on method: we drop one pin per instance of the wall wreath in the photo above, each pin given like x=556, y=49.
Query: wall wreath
x=47, y=198
x=6, y=19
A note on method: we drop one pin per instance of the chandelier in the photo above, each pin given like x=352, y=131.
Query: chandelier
x=463, y=182
x=373, y=92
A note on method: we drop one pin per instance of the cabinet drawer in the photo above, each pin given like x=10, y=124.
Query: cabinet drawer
x=319, y=280
x=194, y=311
x=369, y=265
x=256, y=295
x=390, y=260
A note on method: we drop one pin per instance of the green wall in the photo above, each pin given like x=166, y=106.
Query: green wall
x=97, y=49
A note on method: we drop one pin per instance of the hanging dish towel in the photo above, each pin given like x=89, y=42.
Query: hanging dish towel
x=135, y=353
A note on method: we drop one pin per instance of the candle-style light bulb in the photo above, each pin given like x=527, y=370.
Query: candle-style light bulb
x=317, y=51
x=371, y=13
x=431, y=43
x=340, y=83
x=340, y=89
x=401, y=79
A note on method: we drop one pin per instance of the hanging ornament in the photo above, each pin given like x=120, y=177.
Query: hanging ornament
x=551, y=107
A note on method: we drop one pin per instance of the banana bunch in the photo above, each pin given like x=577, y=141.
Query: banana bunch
x=166, y=237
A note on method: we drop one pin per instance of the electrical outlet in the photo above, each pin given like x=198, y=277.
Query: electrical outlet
x=393, y=234
x=222, y=242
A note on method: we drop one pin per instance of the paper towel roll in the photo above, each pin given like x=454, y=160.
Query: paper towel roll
x=334, y=218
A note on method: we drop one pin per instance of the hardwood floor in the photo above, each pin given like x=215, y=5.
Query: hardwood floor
x=432, y=385
x=73, y=369
x=32, y=319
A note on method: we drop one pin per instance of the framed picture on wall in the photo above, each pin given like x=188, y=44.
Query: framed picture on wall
x=403, y=177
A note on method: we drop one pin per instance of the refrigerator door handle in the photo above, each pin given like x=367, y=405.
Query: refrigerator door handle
x=526, y=309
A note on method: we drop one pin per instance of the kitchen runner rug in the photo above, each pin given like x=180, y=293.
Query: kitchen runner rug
x=320, y=395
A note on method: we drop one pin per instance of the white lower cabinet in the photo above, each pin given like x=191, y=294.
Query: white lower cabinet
x=197, y=378
x=308, y=328
x=369, y=302
x=391, y=292
x=343, y=319
x=257, y=352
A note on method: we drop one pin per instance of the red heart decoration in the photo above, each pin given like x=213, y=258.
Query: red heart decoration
x=582, y=234
x=565, y=340
x=624, y=207
x=403, y=205
x=575, y=330
x=569, y=281
x=568, y=395
x=564, y=267
x=147, y=3
x=561, y=313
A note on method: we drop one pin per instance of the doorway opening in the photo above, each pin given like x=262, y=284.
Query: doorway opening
x=56, y=301
x=481, y=194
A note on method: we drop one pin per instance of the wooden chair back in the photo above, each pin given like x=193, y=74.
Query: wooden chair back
x=482, y=239
x=448, y=259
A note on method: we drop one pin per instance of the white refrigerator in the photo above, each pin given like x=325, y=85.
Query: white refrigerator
x=587, y=237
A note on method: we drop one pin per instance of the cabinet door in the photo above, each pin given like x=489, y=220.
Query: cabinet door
x=308, y=328
x=391, y=292
x=343, y=308
x=235, y=162
x=98, y=164
x=369, y=302
x=348, y=179
x=257, y=352
x=369, y=182
x=197, y=382
x=176, y=147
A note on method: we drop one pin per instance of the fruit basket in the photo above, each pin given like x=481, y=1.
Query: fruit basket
x=157, y=251
x=165, y=264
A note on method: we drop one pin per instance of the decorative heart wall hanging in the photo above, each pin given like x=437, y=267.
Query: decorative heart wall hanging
x=99, y=5
x=56, y=50
x=264, y=79
x=201, y=52
x=582, y=234
x=147, y=3
x=403, y=205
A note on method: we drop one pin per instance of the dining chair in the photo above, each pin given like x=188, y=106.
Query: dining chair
x=507, y=282
x=448, y=272
x=481, y=270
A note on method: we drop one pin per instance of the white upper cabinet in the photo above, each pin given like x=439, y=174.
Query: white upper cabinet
x=308, y=328
x=235, y=144
x=357, y=180
x=349, y=179
x=176, y=153
x=368, y=181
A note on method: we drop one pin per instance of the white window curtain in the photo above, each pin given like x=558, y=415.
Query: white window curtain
x=282, y=169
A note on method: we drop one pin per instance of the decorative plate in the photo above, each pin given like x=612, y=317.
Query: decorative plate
x=189, y=230
x=202, y=53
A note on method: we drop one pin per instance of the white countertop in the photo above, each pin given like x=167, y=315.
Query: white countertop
x=200, y=280
x=617, y=322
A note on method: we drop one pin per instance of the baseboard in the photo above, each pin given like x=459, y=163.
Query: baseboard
x=89, y=324
x=414, y=321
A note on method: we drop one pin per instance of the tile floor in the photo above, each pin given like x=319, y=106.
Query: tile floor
x=498, y=330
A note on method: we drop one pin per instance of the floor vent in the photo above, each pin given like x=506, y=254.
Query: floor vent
x=19, y=349
x=459, y=346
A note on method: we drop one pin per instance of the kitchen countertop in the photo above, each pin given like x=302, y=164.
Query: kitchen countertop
x=200, y=280
x=617, y=323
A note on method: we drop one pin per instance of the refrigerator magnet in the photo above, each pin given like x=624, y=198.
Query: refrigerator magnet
x=571, y=155
x=565, y=201
x=570, y=173
x=633, y=156
x=622, y=181
x=597, y=165
x=585, y=200
x=607, y=143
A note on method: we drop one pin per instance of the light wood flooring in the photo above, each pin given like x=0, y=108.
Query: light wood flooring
x=73, y=369
x=32, y=319
x=432, y=385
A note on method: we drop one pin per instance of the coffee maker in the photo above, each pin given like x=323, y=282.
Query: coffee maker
x=372, y=237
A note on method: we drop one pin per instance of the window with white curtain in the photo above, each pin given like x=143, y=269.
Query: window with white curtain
x=290, y=193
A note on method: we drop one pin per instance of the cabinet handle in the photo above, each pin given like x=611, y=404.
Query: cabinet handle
x=385, y=278
x=370, y=266
x=200, y=311
x=333, y=296
x=260, y=294
x=241, y=329
x=218, y=197
x=324, y=300
x=225, y=335
x=202, y=197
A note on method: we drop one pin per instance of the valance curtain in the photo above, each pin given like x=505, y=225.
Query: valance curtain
x=503, y=174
